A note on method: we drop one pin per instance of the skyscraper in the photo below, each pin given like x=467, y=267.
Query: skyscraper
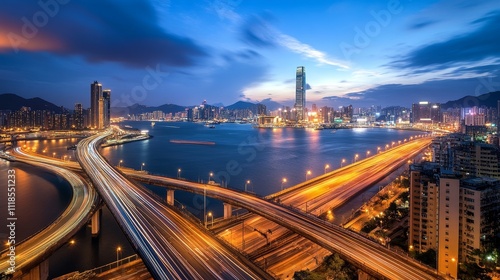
x=100, y=106
x=78, y=116
x=106, y=97
x=300, y=92
x=95, y=96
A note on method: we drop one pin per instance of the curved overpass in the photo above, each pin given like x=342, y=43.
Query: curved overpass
x=170, y=246
x=41, y=245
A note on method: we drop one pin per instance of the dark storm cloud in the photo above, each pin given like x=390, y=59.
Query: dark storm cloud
x=477, y=45
x=126, y=32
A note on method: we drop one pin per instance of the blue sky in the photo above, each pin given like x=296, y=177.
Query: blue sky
x=177, y=51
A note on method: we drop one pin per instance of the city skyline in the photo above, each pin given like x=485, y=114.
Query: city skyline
x=383, y=53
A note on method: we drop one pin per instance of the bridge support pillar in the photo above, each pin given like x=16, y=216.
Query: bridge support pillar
x=170, y=197
x=228, y=211
x=96, y=223
x=39, y=272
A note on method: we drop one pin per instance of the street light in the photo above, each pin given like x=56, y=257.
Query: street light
x=206, y=217
x=308, y=173
x=283, y=182
x=178, y=173
x=210, y=176
x=356, y=157
x=118, y=251
x=246, y=184
x=342, y=163
x=386, y=146
x=367, y=153
x=142, y=166
x=326, y=167
x=378, y=149
x=54, y=154
x=120, y=163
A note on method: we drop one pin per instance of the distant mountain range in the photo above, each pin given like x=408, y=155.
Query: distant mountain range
x=487, y=99
x=13, y=102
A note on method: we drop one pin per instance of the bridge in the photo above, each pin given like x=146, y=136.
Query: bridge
x=34, y=250
x=170, y=246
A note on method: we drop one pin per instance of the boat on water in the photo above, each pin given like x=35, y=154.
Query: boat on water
x=153, y=123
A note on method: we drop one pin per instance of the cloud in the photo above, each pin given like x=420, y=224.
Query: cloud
x=433, y=91
x=99, y=31
x=480, y=44
x=259, y=32
x=304, y=49
x=421, y=23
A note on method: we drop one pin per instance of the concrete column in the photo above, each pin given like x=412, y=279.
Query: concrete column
x=39, y=272
x=96, y=223
x=170, y=197
x=228, y=211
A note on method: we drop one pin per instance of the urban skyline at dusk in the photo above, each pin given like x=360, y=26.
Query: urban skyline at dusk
x=383, y=53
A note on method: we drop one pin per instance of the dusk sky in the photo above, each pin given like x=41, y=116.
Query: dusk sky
x=177, y=51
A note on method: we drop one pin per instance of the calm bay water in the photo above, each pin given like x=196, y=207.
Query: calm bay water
x=240, y=153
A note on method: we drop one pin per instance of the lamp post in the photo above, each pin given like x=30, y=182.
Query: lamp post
x=378, y=149
x=54, y=154
x=246, y=184
x=178, y=173
x=120, y=163
x=206, y=218
x=356, y=157
x=118, y=251
x=142, y=166
x=210, y=176
x=342, y=163
x=283, y=182
x=367, y=153
x=308, y=173
x=326, y=167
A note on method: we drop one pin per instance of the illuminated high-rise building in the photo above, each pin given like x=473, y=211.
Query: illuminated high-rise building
x=100, y=106
x=95, y=96
x=106, y=98
x=424, y=111
x=300, y=93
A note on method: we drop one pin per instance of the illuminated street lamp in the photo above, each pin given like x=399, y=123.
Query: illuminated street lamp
x=386, y=146
x=142, y=166
x=283, y=182
x=378, y=149
x=54, y=154
x=367, y=153
x=118, y=251
x=210, y=176
x=65, y=156
x=326, y=167
x=356, y=157
x=120, y=163
x=308, y=173
x=393, y=143
x=342, y=163
x=178, y=173
x=206, y=218
x=246, y=184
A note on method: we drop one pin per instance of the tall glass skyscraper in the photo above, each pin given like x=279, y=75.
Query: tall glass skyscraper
x=300, y=92
x=95, y=96
x=100, y=103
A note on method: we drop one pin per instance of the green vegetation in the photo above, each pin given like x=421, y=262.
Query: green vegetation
x=333, y=267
